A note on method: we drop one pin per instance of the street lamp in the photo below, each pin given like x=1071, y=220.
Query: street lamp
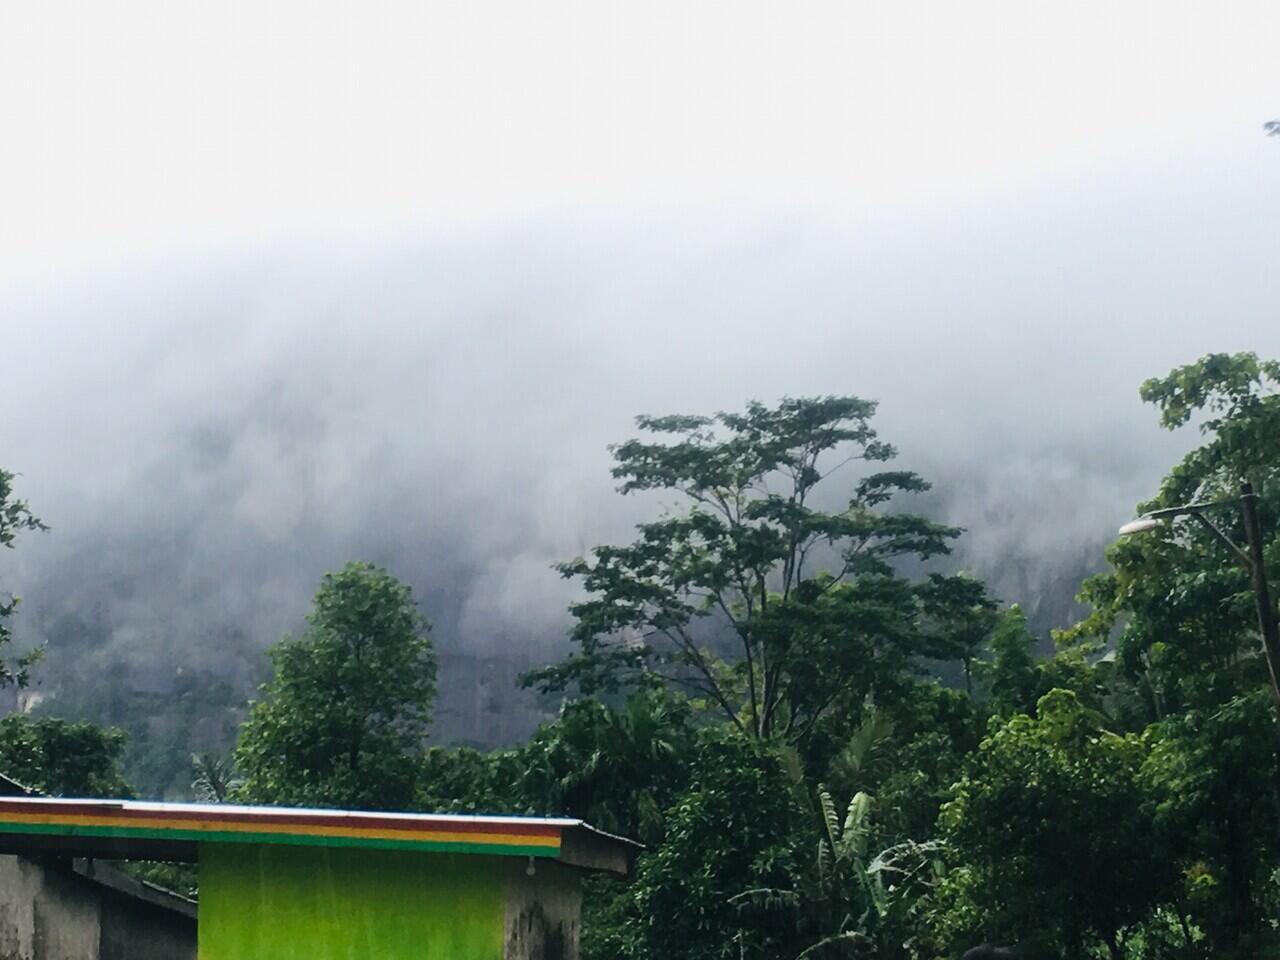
x=1251, y=560
x=1141, y=525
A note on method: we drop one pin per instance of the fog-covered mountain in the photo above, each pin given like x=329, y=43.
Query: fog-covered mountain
x=206, y=437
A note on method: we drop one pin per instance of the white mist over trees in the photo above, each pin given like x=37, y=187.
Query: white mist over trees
x=220, y=434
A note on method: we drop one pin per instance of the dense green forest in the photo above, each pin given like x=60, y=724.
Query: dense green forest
x=754, y=693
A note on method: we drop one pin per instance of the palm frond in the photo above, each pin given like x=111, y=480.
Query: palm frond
x=767, y=898
x=857, y=827
x=830, y=819
x=848, y=764
x=849, y=936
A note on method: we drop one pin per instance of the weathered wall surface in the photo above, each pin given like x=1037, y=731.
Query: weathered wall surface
x=282, y=902
x=543, y=911
x=135, y=930
x=53, y=911
x=44, y=913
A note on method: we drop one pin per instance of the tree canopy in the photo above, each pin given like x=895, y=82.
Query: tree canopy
x=772, y=589
x=1179, y=607
x=1049, y=823
x=344, y=719
x=62, y=758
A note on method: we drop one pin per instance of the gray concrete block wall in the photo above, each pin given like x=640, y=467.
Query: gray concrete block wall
x=54, y=911
x=135, y=930
x=66, y=916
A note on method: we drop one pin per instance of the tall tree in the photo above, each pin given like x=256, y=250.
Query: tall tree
x=344, y=719
x=750, y=593
x=1180, y=606
x=1180, y=611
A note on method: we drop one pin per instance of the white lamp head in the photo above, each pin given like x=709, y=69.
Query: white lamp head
x=1141, y=525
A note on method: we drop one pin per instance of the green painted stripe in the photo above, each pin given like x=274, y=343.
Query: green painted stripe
x=302, y=840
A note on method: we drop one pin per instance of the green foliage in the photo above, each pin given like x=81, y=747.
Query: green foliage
x=465, y=780
x=179, y=878
x=748, y=867
x=15, y=516
x=1050, y=835
x=1181, y=610
x=344, y=719
x=1214, y=776
x=862, y=905
x=911, y=770
x=62, y=758
x=610, y=929
x=1232, y=389
x=739, y=831
x=847, y=769
x=842, y=847
x=616, y=768
x=777, y=613
x=1180, y=613
x=1014, y=677
x=789, y=624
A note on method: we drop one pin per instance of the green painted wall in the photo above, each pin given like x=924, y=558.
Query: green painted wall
x=276, y=902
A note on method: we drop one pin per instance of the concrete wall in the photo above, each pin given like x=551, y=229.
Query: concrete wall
x=60, y=910
x=543, y=911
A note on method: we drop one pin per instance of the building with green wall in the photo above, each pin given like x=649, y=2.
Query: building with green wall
x=285, y=884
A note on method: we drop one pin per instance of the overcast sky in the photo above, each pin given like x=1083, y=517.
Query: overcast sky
x=137, y=127
x=285, y=284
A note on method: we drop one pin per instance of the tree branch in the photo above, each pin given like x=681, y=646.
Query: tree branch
x=751, y=664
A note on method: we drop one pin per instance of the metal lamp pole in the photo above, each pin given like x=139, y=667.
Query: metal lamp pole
x=1250, y=559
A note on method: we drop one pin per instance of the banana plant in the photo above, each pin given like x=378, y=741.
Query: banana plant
x=843, y=876
x=860, y=894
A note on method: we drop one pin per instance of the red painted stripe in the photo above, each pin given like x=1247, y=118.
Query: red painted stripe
x=28, y=806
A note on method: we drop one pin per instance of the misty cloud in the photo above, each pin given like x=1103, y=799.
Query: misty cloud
x=207, y=436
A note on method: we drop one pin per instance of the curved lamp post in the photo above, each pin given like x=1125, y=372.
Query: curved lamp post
x=1250, y=559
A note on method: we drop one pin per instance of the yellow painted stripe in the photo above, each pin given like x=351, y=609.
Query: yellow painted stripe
x=439, y=835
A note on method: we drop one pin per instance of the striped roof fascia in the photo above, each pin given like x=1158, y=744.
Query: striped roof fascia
x=132, y=828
